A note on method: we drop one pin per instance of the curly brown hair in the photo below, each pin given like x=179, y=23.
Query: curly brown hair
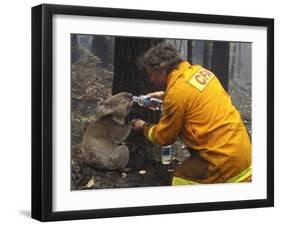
x=162, y=56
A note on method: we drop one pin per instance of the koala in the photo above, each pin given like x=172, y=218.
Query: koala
x=102, y=146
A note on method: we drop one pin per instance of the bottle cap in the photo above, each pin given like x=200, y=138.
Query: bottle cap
x=135, y=99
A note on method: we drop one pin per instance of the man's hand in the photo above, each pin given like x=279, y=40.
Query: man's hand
x=137, y=124
x=158, y=94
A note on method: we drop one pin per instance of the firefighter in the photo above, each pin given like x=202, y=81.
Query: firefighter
x=197, y=109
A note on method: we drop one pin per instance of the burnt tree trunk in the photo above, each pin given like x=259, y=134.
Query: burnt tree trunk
x=190, y=45
x=101, y=46
x=74, y=49
x=220, y=62
x=129, y=77
x=208, y=49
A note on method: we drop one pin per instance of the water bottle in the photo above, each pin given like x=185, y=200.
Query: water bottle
x=149, y=102
x=166, y=154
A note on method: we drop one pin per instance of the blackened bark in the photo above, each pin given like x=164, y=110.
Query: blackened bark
x=74, y=49
x=129, y=77
x=101, y=46
x=208, y=49
x=220, y=62
x=232, y=59
x=190, y=44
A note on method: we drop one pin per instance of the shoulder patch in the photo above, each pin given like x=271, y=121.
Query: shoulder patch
x=201, y=79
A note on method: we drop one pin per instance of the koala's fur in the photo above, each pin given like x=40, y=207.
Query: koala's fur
x=102, y=142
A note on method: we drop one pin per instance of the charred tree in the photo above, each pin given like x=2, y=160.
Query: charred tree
x=208, y=49
x=74, y=49
x=220, y=62
x=190, y=45
x=102, y=47
x=129, y=77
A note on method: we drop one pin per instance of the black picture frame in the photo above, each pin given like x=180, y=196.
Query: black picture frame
x=42, y=108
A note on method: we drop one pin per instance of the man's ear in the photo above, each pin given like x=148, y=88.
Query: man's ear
x=163, y=69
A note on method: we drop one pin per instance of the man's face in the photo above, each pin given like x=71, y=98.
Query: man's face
x=159, y=79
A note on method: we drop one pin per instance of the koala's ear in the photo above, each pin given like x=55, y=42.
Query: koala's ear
x=103, y=110
x=101, y=102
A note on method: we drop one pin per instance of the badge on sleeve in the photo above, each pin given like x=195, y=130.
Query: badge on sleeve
x=201, y=79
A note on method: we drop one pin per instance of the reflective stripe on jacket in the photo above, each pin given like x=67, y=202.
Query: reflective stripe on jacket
x=197, y=109
x=244, y=176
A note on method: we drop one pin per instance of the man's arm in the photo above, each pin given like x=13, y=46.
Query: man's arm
x=171, y=123
x=158, y=94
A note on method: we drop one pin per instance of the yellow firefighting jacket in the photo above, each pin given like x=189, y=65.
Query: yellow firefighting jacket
x=197, y=109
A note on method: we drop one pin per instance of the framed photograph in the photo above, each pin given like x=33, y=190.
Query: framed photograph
x=140, y=112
